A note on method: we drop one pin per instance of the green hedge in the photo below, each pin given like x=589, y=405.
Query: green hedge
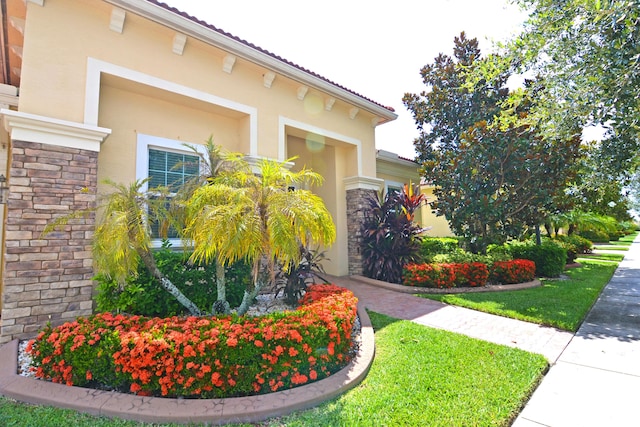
x=432, y=246
x=550, y=258
x=595, y=235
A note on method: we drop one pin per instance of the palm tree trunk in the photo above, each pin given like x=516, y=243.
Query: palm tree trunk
x=248, y=297
x=150, y=263
x=221, y=304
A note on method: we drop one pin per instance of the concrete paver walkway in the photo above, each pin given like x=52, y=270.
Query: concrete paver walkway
x=596, y=380
x=549, y=342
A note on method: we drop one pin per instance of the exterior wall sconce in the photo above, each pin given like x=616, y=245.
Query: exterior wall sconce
x=4, y=190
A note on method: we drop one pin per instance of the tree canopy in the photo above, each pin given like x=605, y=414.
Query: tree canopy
x=588, y=54
x=493, y=178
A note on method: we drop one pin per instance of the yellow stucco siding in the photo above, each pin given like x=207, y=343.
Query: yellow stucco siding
x=132, y=82
x=129, y=114
x=439, y=225
x=54, y=81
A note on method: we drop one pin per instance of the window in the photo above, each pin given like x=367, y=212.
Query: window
x=171, y=169
x=168, y=163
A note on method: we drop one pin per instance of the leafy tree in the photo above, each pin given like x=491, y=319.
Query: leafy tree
x=493, y=177
x=390, y=237
x=254, y=216
x=588, y=53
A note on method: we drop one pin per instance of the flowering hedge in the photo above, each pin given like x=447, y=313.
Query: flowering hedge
x=468, y=274
x=515, y=271
x=201, y=356
x=446, y=275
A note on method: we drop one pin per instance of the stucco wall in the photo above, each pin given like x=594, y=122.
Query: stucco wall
x=132, y=82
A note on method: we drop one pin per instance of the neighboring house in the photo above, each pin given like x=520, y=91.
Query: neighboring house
x=397, y=171
x=96, y=89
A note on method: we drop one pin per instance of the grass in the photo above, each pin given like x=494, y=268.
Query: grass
x=602, y=257
x=420, y=376
x=559, y=303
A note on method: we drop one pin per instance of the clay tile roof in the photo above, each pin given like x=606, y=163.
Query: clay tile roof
x=264, y=51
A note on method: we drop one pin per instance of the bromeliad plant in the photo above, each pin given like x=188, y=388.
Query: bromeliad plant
x=391, y=239
x=202, y=357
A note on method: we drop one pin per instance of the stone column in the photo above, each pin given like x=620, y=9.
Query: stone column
x=47, y=277
x=358, y=190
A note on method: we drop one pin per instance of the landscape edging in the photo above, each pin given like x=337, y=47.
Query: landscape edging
x=248, y=409
x=419, y=290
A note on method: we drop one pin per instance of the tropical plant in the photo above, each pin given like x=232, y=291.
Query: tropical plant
x=122, y=238
x=213, y=161
x=390, y=237
x=292, y=282
x=254, y=216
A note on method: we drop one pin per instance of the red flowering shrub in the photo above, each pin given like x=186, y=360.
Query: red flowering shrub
x=472, y=274
x=446, y=275
x=201, y=356
x=515, y=271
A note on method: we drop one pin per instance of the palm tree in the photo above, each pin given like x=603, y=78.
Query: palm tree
x=212, y=162
x=256, y=217
x=123, y=239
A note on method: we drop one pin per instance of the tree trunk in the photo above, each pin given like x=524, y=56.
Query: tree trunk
x=221, y=305
x=150, y=263
x=248, y=297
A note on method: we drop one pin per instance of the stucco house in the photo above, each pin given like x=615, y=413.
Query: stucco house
x=96, y=89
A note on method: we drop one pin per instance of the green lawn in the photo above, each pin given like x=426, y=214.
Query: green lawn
x=602, y=257
x=420, y=377
x=559, y=303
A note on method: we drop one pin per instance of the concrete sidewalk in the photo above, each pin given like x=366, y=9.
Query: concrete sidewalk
x=596, y=380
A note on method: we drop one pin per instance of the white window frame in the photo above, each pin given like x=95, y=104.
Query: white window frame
x=146, y=142
x=392, y=184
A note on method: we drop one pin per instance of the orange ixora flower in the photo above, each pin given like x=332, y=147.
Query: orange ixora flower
x=205, y=357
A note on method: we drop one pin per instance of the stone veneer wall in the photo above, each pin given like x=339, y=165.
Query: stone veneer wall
x=47, y=278
x=356, y=202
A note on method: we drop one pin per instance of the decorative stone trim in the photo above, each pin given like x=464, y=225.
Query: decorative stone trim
x=359, y=190
x=46, y=130
x=418, y=290
x=47, y=278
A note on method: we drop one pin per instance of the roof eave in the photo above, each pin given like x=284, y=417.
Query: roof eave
x=193, y=29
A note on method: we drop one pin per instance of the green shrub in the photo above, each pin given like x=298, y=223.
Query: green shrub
x=582, y=245
x=550, y=258
x=432, y=246
x=145, y=296
x=594, y=235
x=462, y=257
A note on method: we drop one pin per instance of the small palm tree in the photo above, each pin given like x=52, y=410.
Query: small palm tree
x=256, y=217
x=123, y=239
x=213, y=162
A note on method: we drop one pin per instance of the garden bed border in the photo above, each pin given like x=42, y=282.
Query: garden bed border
x=248, y=409
x=420, y=290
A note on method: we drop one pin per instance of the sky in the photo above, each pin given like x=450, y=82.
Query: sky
x=375, y=48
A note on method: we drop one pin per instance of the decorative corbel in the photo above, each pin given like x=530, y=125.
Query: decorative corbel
x=302, y=92
x=117, y=20
x=227, y=63
x=328, y=103
x=179, y=41
x=353, y=112
x=268, y=79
